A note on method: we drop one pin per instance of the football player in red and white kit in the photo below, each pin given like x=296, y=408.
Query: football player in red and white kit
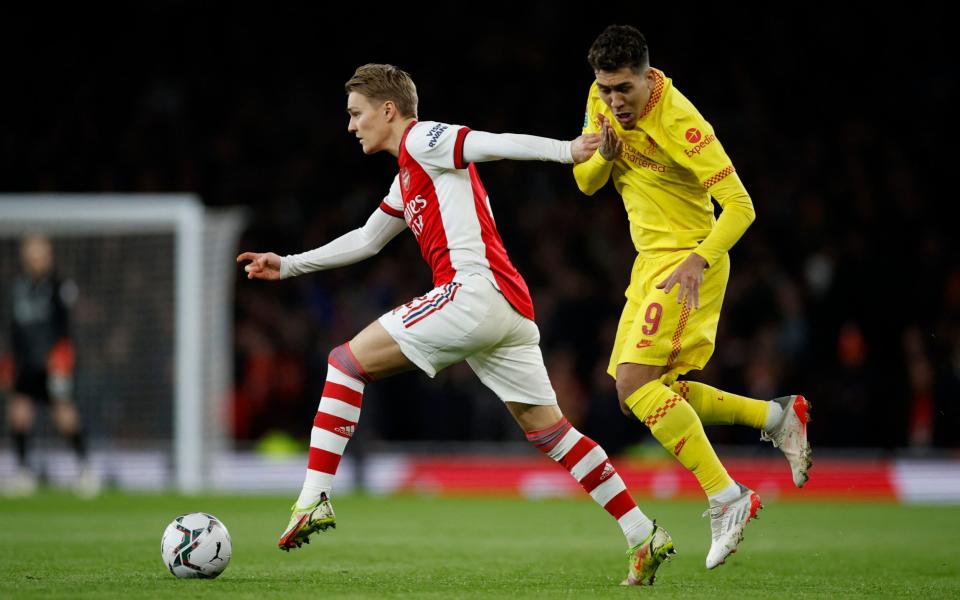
x=479, y=311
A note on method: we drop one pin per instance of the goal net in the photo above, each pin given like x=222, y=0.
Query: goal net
x=152, y=278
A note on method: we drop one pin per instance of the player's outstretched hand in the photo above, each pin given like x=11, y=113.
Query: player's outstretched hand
x=584, y=146
x=609, y=142
x=263, y=265
x=689, y=275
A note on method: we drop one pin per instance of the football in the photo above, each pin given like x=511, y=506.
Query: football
x=196, y=545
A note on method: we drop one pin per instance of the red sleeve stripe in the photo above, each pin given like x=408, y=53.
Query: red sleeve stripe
x=458, y=148
x=391, y=210
x=713, y=179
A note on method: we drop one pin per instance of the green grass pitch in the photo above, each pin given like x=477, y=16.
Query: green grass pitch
x=54, y=545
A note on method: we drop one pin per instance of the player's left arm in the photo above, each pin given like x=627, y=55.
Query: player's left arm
x=691, y=141
x=481, y=146
x=444, y=146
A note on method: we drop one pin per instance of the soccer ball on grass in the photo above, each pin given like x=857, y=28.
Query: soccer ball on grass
x=196, y=545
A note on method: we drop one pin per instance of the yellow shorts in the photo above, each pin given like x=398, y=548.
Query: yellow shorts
x=655, y=330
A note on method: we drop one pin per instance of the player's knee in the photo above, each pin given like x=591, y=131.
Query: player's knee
x=352, y=363
x=342, y=357
x=535, y=417
x=629, y=380
x=631, y=377
x=66, y=417
x=626, y=386
x=336, y=352
x=20, y=413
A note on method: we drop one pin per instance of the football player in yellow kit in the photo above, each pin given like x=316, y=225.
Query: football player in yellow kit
x=666, y=162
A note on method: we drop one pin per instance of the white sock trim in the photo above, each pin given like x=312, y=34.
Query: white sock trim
x=774, y=416
x=314, y=484
x=636, y=526
x=727, y=494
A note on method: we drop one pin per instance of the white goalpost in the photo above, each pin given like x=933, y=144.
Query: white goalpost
x=153, y=324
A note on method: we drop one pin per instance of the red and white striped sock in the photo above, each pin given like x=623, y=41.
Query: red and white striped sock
x=589, y=465
x=337, y=416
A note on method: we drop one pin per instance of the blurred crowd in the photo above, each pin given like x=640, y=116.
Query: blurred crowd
x=845, y=289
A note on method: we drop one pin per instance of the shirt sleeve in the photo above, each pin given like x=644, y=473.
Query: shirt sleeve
x=736, y=217
x=352, y=247
x=437, y=145
x=691, y=141
x=480, y=146
x=393, y=202
x=592, y=174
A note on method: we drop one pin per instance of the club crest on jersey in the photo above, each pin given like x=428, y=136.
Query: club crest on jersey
x=405, y=178
x=412, y=214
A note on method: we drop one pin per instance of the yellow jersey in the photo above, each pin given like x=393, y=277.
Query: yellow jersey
x=669, y=166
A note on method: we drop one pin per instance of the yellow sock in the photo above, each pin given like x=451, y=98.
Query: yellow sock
x=716, y=407
x=678, y=429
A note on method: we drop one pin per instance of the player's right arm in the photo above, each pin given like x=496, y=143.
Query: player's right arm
x=361, y=243
x=593, y=174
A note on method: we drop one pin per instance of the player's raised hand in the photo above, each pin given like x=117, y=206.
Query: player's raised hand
x=689, y=275
x=609, y=142
x=584, y=146
x=263, y=265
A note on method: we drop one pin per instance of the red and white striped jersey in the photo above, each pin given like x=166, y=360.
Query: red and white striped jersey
x=448, y=210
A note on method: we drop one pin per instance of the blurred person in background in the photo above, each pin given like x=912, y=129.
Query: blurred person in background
x=42, y=364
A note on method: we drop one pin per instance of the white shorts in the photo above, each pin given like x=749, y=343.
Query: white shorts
x=469, y=319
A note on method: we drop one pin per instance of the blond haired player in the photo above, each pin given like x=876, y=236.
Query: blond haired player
x=479, y=311
x=666, y=162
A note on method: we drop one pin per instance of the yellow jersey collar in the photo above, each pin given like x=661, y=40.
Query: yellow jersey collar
x=656, y=94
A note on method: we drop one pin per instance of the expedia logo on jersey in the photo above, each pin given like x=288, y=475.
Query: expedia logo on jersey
x=699, y=144
x=434, y=134
x=412, y=214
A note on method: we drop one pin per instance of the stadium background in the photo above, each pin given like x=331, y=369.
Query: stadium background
x=846, y=288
